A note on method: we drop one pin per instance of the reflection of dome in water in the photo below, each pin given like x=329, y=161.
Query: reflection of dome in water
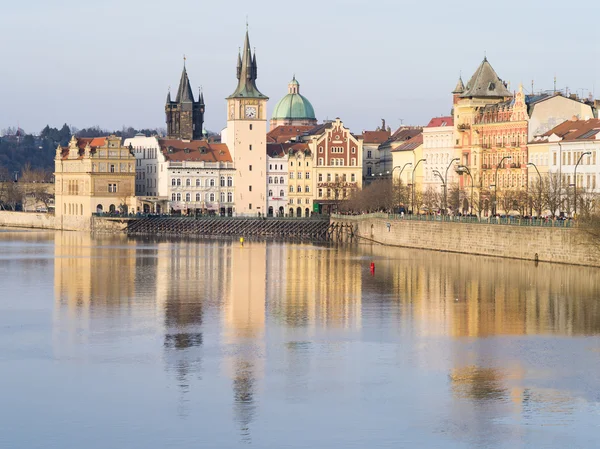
x=293, y=109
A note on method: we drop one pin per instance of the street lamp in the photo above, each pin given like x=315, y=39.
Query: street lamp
x=401, y=167
x=496, y=183
x=465, y=169
x=540, y=187
x=412, y=206
x=439, y=175
x=446, y=185
x=575, y=176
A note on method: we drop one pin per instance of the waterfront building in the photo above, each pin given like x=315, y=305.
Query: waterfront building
x=294, y=109
x=337, y=164
x=438, y=152
x=277, y=179
x=573, y=157
x=375, y=160
x=410, y=155
x=301, y=179
x=246, y=136
x=200, y=177
x=185, y=115
x=92, y=175
x=151, y=186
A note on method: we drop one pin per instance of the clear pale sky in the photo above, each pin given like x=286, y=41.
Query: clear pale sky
x=110, y=62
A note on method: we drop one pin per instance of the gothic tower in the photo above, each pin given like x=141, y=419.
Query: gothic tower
x=185, y=116
x=247, y=136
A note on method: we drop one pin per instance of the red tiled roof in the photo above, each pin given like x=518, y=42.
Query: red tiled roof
x=411, y=144
x=194, y=151
x=284, y=133
x=575, y=129
x=82, y=142
x=441, y=121
x=375, y=136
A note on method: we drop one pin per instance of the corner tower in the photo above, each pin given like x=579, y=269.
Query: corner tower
x=184, y=116
x=246, y=136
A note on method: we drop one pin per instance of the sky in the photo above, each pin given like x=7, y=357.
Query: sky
x=110, y=63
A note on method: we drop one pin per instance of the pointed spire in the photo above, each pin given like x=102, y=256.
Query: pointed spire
x=200, y=96
x=485, y=83
x=184, y=93
x=247, y=73
x=169, y=95
x=239, y=64
x=460, y=87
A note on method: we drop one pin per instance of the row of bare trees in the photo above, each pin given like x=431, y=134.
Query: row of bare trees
x=547, y=196
x=33, y=187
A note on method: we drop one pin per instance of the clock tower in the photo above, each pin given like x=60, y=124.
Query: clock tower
x=247, y=136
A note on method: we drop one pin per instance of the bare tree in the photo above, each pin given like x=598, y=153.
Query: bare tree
x=431, y=199
x=553, y=193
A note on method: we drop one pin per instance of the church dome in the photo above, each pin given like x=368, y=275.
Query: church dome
x=293, y=107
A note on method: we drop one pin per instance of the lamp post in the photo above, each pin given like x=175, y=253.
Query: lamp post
x=496, y=183
x=465, y=169
x=401, y=167
x=439, y=175
x=446, y=185
x=575, y=176
x=540, y=187
x=412, y=206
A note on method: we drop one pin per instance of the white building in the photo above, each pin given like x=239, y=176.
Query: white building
x=277, y=179
x=438, y=152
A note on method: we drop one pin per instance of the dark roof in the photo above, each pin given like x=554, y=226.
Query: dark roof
x=411, y=144
x=375, y=136
x=194, y=150
x=284, y=133
x=485, y=83
x=184, y=93
x=574, y=129
x=283, y=149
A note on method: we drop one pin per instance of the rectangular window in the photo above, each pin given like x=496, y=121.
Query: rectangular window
x=299, y=175
x=328, y=177
x=320, y=177
x=112, y=188
x=250, y=206
x=554, y=158
x=250, y=188
x=320, y=193
x=368, y=153
x=249, y=167
x=291, y=175
x=250, y=147
x=307, y=175
x=353, y=177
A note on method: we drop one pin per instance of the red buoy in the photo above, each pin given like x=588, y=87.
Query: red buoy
x=372, y=267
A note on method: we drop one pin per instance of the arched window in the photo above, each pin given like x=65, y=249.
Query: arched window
x=188, y=182
x=173, y=197
x=270, y=180
x=188, y=197
x=198, y=197
x=212, y=197
x=173, y=182
x=292, y=189
x=222, y=181
x=229, y=181
x=178, y=181
x=281, y=181
x=179, y=197
x=222, y=197
x=198, y=182
x=276, y=180
x=212, y=182
x=281, y=193
x=299, y=189
x=229, y=197
x=270, y=193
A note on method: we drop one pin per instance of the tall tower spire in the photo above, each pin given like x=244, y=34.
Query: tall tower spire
x=184, y=116
x=247, y=70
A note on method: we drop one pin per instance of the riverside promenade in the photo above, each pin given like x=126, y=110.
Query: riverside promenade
x=555, y=241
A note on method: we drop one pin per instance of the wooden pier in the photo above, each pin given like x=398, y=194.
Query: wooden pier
x=297, y=228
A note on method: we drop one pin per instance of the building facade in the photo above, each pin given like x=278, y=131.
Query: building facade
x=246, y=137
x=375, y=161
x=337, y=158
x=301, y=180
x=184, y=116
x=438, y=152
x=93, y=175
x=277, y=180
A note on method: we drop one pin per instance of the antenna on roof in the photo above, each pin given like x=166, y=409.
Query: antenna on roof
x=554, y=83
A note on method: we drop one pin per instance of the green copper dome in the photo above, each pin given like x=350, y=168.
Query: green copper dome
x=293, y=106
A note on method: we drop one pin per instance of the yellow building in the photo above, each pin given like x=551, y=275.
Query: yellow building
x=92, y=175
x=410, y=156
x=300, y=180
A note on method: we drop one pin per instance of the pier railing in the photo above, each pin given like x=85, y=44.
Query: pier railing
x=510, y=221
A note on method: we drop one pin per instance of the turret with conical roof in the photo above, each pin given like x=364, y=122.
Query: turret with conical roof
x=460, y=87
x=485, y=83
x=184, y=116
x=247, y=71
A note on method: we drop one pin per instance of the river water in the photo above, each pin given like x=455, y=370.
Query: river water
x=109, y=342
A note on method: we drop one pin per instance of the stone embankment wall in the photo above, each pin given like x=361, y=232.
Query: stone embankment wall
x=66, y=223
x=27, y=220
x=570, y=245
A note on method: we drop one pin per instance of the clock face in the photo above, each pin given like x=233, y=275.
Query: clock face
x=250, y=112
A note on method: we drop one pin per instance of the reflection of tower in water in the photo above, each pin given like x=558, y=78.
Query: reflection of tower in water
x=189, y=277
x=244, y=328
